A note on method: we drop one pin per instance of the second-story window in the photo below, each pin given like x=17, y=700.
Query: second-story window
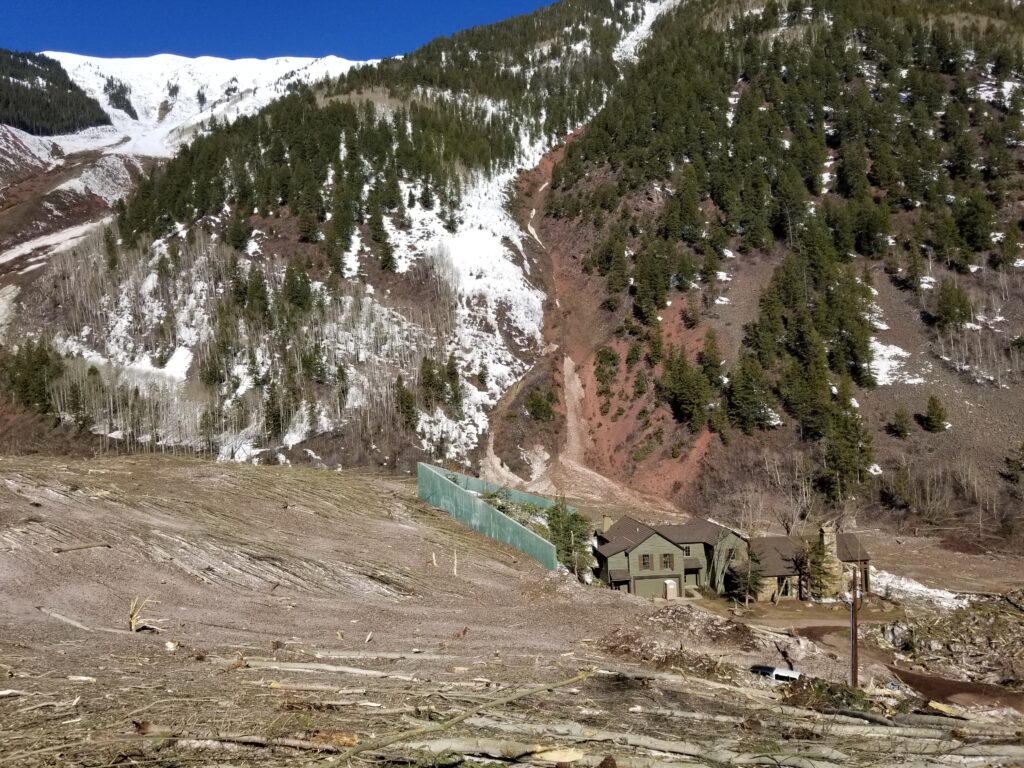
x=668, y=563
x=686, y=550
x=645, y=562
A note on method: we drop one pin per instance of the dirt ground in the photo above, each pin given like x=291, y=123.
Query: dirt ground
x=302, y=613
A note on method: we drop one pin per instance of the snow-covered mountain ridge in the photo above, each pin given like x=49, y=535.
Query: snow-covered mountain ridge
x=173, y=95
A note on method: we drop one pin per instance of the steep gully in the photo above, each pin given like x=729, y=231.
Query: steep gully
x=575, y=326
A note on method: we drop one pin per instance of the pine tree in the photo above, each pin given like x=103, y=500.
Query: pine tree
x=711, y=359
x=848, y=451
x=1015, y=466
x=934, y=415
x=405, y=404
x=686, y=391
x=810, y=563
x=899, y=426
x=747, y=395
x=744, y=580
x=569, y=531
x=272, y=419
x=952, y=306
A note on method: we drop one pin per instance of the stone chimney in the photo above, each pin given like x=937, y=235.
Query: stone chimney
x=606, y=523
x=828, y=537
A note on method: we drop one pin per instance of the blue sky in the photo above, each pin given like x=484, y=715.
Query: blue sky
x=237, y=29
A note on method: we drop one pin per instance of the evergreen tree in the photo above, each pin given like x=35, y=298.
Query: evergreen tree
x=934, y=415
x=848, y=451
x=1015, y=466
x=405, y=404
x=747, y=395
x=686, y=391
x=744, y=580
x=899, y=426
x=272, y=418
x=711, y=359
x=952, y=306
x=569, y=531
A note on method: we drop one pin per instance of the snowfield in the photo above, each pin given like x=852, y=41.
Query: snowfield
x=174, y=95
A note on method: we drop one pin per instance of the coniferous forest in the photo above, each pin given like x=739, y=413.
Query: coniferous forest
x=37, y=96
x=833, y=138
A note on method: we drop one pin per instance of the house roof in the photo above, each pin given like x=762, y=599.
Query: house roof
x=619, y=574
x=850, y=549
x=627, y=533
x=695, y=531
x=624, y=535
x=776, y=554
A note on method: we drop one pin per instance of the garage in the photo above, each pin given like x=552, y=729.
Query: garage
x=654, y=586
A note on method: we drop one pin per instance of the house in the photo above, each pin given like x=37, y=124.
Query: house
x=778, y=558
x=661, y=560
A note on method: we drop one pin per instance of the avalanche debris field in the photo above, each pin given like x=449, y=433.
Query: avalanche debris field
x=297, y=617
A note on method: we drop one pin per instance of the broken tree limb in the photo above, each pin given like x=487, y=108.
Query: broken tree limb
x=858, y=715
x=168, y=735
x=80, y=547
x=386, y=741
x=411, y=656
x=80, y=625
x=581, y=733
x=496, y=748
x=65, y=619
x=311, y=666
x=313, y=688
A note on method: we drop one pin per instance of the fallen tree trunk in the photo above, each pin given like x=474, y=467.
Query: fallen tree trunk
x=311, y=666
x=528, y=753
x=858, y=715
x=386, y=741
x=80, y=547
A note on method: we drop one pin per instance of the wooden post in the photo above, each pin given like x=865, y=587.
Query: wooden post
x=855, y=604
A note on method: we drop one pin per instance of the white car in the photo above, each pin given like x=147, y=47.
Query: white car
x=776, y=674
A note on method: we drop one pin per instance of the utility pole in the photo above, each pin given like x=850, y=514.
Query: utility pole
x=855, y=603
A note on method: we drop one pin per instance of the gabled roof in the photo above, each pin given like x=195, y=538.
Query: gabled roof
x=777, y=553
x=624, y=535
x=695, y=531
x=627, y=533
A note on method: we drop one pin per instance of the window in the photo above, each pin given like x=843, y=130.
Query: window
x=645, y=562
x=668, y=563
x=686, y=550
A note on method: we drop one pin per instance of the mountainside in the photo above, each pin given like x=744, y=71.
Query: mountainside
x=759, y=261
x=340, y=263
x=36, y=95
x=147, y=107
x=787, y=231
x=159, y=102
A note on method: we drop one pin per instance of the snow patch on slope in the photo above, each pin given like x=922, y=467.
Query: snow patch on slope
x=63, y=240
x=904, y=588
x=8, y=294
x=108, y=178
x=629, y=47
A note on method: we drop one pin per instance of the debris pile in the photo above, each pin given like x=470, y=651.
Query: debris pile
x=983, y=643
